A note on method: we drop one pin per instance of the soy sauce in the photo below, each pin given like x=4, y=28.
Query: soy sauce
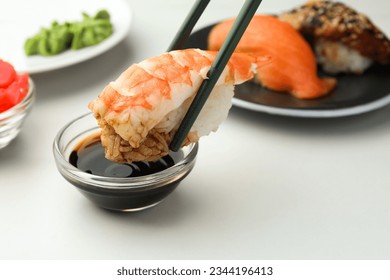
x=89, y=157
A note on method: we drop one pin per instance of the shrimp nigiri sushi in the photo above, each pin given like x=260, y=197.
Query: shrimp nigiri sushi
x=141, y=110
x=293, y=67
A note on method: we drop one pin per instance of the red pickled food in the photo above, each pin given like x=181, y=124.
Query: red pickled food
x=13, y=86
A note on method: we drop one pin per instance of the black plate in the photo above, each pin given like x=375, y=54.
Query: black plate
x=354, y=94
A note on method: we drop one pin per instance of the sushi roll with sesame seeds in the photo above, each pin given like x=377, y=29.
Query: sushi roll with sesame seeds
x=344, y=40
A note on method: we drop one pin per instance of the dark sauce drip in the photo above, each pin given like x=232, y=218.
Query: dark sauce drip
x=90, y=159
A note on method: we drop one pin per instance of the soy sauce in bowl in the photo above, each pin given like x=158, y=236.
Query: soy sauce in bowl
x=80, y=159
x=88, y=156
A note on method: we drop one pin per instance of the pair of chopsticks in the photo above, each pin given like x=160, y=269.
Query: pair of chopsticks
x=240, y=24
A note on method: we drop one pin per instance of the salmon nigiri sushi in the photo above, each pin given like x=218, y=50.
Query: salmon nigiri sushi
x=292, y=66
x=141, y=110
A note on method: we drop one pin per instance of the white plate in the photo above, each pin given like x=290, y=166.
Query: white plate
x=24, y=18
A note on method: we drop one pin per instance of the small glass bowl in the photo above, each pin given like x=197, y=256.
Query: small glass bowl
x=119, y=194
x=11, y=121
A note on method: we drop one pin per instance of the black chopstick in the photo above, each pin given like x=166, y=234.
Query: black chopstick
x=188, y=24
x=240, y=24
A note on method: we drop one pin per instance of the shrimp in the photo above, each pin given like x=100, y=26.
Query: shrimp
x=141, y=110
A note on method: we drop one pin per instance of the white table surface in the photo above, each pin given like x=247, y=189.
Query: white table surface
x=264, y=187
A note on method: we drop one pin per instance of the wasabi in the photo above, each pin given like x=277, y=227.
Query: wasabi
x=70, y=35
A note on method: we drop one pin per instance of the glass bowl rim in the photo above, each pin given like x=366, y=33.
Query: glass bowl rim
x=96, y=182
